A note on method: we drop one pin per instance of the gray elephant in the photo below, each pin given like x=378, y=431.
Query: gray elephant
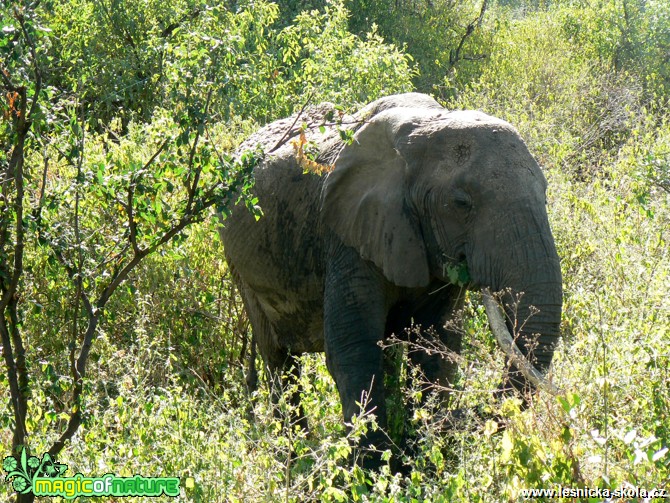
x=358, y=237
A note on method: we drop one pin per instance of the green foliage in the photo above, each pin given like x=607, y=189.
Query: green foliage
x=573, y=108
x=616, y=317
x=458, y=274
x=112, y=53
x=545, y=104
x=325, y=61
x=126, y=60
x=444, y=37
x=632, y=36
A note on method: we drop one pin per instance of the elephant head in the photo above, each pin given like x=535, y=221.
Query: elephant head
x=420, y=190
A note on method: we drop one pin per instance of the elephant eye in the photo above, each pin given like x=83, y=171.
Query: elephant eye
x=462, y=200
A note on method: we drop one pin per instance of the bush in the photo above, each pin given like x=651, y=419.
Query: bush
x=444, y=37
x=324, y=61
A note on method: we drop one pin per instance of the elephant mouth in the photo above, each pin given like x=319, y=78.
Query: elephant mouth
x=457, y=273
x=509, y=347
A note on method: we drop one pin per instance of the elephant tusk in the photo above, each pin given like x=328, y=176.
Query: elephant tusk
x=510, y=348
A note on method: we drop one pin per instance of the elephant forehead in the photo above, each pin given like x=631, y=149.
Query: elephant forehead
x=468, y=144
x=490, y=155
x=456, y=134
x=473, y=118
x=473, y=125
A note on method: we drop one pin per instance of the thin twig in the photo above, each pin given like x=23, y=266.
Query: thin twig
x=36, y=67
x=510, y=348
x=192, y=187
x=283, y=139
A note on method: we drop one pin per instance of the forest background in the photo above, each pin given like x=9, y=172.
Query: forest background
x=124, y=343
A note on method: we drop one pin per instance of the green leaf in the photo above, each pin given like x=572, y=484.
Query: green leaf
x=564, y=404
x=457, y=274
x=334, y=494
x=629, y=437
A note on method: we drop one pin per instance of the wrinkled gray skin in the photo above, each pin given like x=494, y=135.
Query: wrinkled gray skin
x=337, y=263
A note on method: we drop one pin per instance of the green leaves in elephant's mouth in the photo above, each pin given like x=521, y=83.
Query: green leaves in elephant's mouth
x=457, y=273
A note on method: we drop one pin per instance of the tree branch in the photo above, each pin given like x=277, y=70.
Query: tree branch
x=132, y=226
x=13, y=349
x=283, y=139
x=36, y=67
x=167, y=31
x=455, y=55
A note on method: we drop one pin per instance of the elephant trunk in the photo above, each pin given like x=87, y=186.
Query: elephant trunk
x=529, y=275
x=533, y=317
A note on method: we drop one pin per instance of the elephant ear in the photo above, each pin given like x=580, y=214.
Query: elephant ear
x=364, y=198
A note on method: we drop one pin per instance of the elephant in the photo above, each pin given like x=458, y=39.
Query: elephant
x=363, y=218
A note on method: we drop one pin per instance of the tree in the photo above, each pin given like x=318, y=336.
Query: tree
x=95, y=226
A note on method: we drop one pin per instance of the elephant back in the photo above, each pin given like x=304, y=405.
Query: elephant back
x=322, y=125
x=278, y=138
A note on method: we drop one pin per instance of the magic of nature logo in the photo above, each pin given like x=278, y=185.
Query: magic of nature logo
x=45, y=477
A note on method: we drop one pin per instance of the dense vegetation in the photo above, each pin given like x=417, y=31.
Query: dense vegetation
x=124, y=343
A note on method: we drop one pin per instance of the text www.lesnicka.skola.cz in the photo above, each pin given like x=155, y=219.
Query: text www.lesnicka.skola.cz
x=589, y=492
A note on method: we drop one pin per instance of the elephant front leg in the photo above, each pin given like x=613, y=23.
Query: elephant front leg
x=354, y=317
